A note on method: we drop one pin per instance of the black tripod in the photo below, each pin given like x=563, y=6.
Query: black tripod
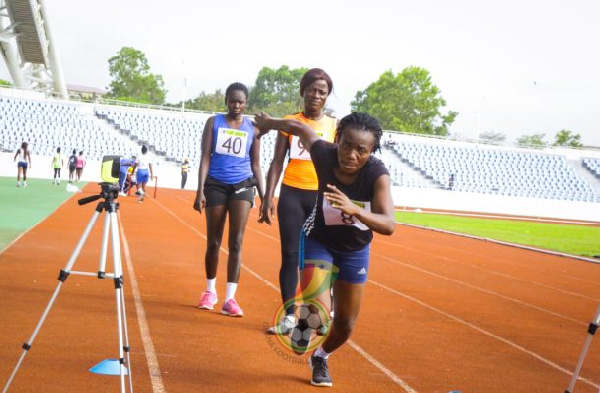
x=109, y=195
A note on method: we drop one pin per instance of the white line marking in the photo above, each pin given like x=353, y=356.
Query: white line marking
x=485, y=332
x=364, y=354
x=480, y=289
x=492, y=271
x=151, y=359
x=381, y=367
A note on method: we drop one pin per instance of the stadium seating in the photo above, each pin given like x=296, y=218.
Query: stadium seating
x=46, y=125
x=592, y=165
x=412, y=161
x=173, y=135
x=486, y=170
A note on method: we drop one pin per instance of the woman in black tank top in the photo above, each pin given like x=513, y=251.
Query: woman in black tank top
x=347, y=173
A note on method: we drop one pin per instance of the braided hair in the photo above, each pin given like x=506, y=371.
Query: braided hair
x=361, y=121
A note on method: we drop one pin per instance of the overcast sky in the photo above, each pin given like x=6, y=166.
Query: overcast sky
x=514, y=67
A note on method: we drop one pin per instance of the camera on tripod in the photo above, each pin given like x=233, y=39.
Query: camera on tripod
x=109, y=171
x=111, y=166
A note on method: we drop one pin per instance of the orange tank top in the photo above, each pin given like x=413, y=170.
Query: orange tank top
x=300, y=171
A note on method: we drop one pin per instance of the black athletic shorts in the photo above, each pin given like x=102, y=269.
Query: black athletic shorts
x=218, y=193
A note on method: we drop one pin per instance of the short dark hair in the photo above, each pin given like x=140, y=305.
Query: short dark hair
x=362, y=121
x=234, y=87
x=58, y=149
x=74, y=151
x=315, y=74
x=144, y=149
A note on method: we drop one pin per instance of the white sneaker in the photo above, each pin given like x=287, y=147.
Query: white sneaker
x=24, y=184
x=284, y=327
x=18, y=184
x=122, y=194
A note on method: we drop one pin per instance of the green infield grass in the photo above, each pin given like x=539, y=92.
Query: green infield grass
x=23, y=207
x=574, y=239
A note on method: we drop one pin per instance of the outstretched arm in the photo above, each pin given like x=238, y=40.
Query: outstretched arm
x=307, y=135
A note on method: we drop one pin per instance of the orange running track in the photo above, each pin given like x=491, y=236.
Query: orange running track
x=440, y=313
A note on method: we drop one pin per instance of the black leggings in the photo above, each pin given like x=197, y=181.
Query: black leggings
x=293, y=208
x=57, y=173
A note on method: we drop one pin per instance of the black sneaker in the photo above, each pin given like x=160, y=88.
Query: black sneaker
x=320, y=371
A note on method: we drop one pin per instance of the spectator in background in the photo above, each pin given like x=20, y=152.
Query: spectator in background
x=72, y=165
x=126, y=163
x=23, y=163
x=79, y=165
x=144, y=173
x=451, y=182
x=57, y=163
x=185, y=168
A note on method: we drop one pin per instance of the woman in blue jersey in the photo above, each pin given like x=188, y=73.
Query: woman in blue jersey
x=229, y=171
x=354, y=200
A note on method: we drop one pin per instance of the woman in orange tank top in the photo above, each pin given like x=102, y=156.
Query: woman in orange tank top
x=299, y=186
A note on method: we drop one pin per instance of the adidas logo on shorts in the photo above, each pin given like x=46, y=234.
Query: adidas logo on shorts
x=362, y=271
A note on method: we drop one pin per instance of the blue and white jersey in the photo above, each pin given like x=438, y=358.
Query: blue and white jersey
x=230, y=156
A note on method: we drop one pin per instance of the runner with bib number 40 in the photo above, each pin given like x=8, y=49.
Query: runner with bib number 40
x=354, y=199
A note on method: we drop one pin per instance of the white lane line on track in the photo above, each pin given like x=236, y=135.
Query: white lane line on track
x=151, y=359
x=491, y=271
x=506, y=341
x=392, y=260
x=562, y=276
x=484, y=332
x=389, y=373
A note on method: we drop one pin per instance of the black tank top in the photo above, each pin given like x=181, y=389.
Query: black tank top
x=330, y=226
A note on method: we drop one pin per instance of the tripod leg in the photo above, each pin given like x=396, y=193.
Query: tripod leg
x=591, y=331
x=118, y=279
x=126, y=335
x=102, y=264
x=64, y=274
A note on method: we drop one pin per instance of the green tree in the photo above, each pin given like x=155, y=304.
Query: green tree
x=535, y=140
x=567, y=138
x=132, y=80
x=5, y=83
x=492, y=137
x=407, y=101
x=208, y=102
x=277, y=92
